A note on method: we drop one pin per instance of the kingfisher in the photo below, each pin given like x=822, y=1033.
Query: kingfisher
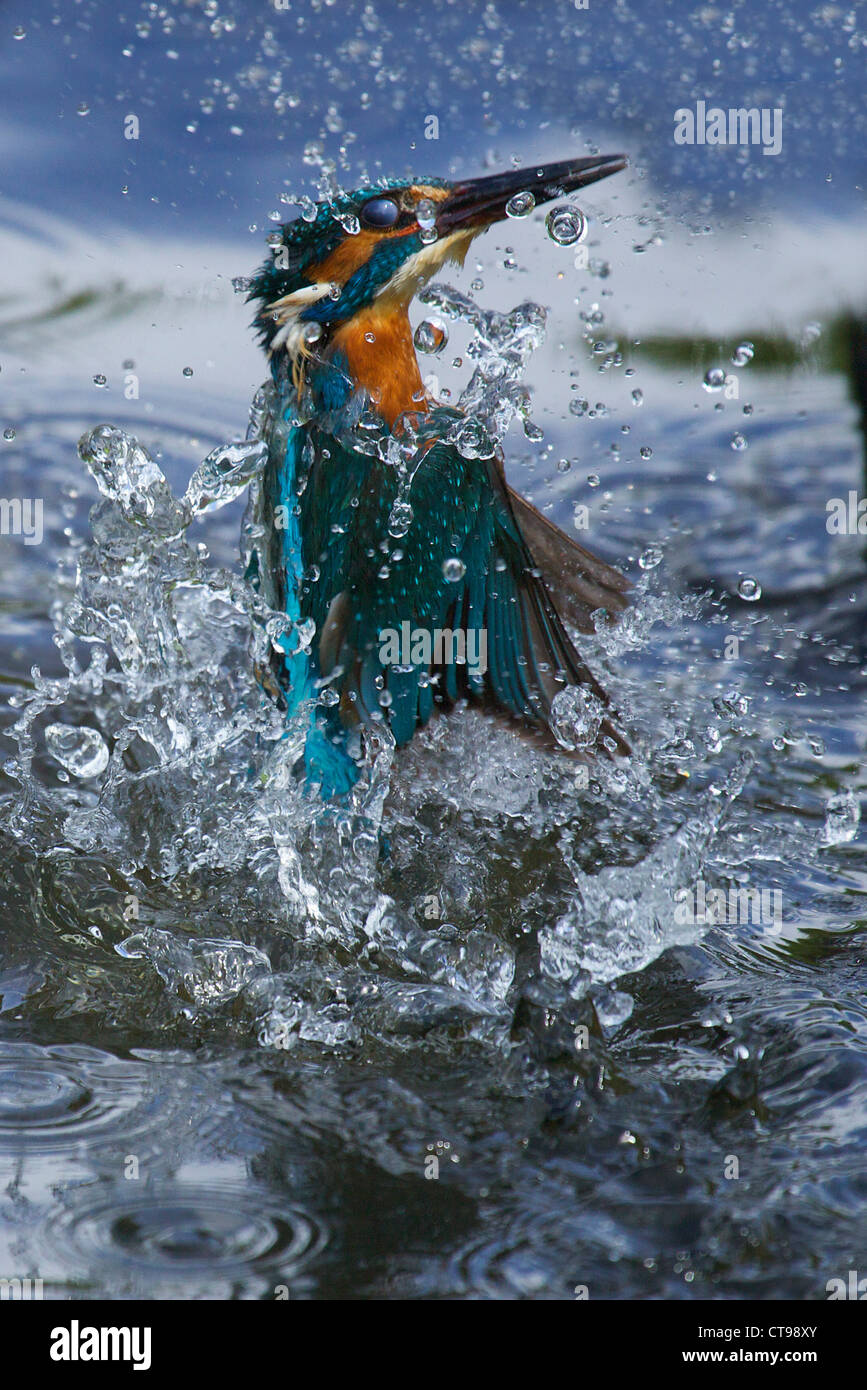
x=414, y=574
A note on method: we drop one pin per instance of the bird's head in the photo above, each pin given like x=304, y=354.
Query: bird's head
x=360, y=259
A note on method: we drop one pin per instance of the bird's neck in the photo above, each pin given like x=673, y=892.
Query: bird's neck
x=377, y=347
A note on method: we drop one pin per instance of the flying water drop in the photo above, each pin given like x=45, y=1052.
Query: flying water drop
x=80, y=751
x=750, y=589
x=520, y=205
x=224, y=474
x=400, y=519
x=576, y=717
x=566, y=225
x=124, y=472
x=426, y=214
x=431, y=336
x=714, y=379
x=842, y=818
x=650, y=558
x=349, y=222
x=472, y=439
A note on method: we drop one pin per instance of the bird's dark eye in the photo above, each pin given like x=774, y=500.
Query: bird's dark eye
x=380, y=212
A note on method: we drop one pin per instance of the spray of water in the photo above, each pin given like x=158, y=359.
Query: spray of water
x=159, y=751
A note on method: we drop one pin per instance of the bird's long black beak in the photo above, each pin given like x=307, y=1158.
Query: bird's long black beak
x=478, y=202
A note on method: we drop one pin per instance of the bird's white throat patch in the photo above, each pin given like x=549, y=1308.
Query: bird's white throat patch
x=417, y=269
x=286, y=313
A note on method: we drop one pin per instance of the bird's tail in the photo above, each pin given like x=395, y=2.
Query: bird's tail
x=539, y=578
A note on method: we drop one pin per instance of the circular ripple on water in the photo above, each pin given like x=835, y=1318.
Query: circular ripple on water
x=57, y=1096
x=495, y=1268
x=188, y=1238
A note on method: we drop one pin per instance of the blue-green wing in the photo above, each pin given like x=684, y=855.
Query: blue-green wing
x=463, y=565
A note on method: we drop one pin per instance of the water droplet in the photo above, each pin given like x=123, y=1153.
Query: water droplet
x=714, y=379
x=454, y=569
x=369, y=337
x=82, y=752
x=241, y=284
x=472, y=440
x=431, y=336
x=731, y=704
x=400, y=519
x=9, y=433
x=637, y=397
x=750, y=589
x=428, y=235
x=349, y=222
x=743, y=353
x=645, y=451
x=312, y=333
x=18, y=32
x=563, y=465
x=593, y=479
x=578, y=406
x=224, y=474
x=520, y=205
x=426, y=214
x=83, y=109
x=566, y=225
x=99, y=379
x=188, y=371
x=842, y=818
x=576, y=717
x=370, y=423
x=650, y=558
x=738, y=443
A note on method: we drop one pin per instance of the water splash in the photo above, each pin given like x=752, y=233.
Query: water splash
x=403, y=912
x=500, y=348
